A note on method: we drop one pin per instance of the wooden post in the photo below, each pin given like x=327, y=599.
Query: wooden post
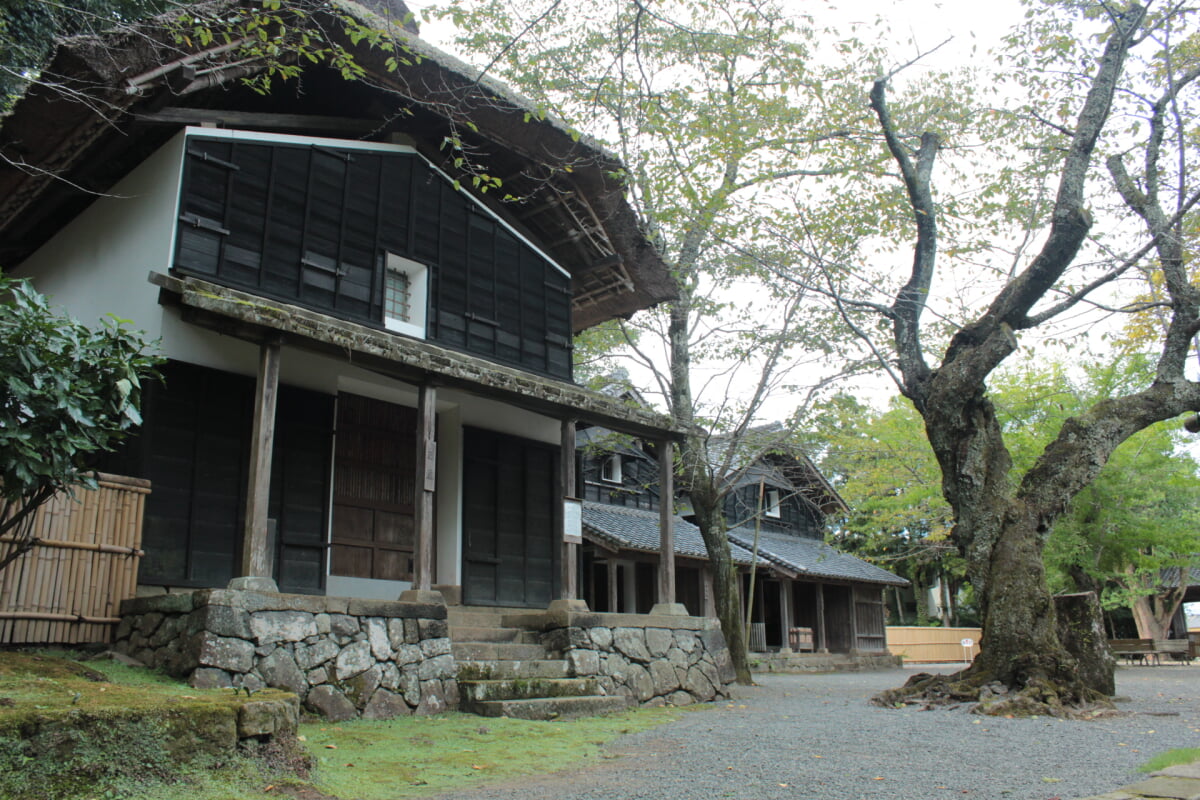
x=426, y=483
x=785, y=613
x=570, y=550
x=614, y=602
x=853, y=620
x=666, y=522
x=822, y=647
x=256, y=561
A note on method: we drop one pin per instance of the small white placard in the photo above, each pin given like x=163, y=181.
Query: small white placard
x=968, y=642
x=430, y=482
x=572, y=520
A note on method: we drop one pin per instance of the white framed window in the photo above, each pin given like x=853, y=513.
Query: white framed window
x=405, y=293
x=610, y=470
x=771, y=506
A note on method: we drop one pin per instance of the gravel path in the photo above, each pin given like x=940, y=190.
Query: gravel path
x=815, y=737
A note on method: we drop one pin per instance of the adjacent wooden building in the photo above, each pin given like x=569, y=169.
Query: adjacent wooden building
x=369, y=387
x=807, y=596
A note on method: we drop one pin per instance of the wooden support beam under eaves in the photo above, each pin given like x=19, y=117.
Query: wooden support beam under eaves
x=256, y=555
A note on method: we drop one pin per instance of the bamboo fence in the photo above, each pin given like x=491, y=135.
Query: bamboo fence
x=68, y=589
x=930, y=645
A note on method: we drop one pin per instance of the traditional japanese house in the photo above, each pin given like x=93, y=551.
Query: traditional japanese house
x=807, y=596
x=369, y=388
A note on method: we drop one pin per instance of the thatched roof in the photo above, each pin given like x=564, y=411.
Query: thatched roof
x=116, y=98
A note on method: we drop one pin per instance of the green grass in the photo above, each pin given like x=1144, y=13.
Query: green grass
x=117, y=750
x=412, y=756
x=1171, y=758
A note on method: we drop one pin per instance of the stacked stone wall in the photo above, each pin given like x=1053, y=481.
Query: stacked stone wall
x=342, y=657
x=661, y=660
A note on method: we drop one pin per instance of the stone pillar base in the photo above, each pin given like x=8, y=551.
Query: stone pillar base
x=430, y=597
x=253, y=584
x=670, y=609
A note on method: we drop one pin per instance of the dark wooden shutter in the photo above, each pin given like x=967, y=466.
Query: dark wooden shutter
x=300, y=488
x=510, y=544
x=196, y=449
x=374, y=489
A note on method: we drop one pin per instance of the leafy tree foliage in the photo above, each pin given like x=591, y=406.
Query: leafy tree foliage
x=67, y=393
x=881, y=465
x=1102, y=88
x=721, y=112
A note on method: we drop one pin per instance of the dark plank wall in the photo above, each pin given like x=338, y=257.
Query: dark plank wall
x=312, y=225
x=195, y=447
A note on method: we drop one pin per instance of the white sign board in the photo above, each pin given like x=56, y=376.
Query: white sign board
x=968, y=642
x=572, y=520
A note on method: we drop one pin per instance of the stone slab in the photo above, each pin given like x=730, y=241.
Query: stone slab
x=1181, y=771
x=1166, y=787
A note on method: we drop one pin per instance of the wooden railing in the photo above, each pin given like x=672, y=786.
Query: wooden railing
x=919, y=644
x=68, y=588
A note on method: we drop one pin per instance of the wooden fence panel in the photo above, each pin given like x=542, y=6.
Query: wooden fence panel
x=68, y=589
x=869, y=627
x=926, y=645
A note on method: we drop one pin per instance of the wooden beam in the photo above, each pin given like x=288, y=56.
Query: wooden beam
x=570, y=550
x=256, y=560
x=425, y=485
x=822, y=645
x=853, y=620
x=174, y=115
x=785, y=613
x=666, y=522
x=614, y=600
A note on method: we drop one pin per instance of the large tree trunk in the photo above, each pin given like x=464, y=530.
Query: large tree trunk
x=710, y=520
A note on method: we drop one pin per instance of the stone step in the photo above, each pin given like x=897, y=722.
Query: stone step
x=478, y=691
x=480, y=615
x=547, y=708
x=533, y=669
x=475, y=633
x=498, y=651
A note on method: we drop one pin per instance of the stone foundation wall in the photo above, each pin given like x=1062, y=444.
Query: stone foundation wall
x=342, y=657
x=823, y=662
x=651, y=659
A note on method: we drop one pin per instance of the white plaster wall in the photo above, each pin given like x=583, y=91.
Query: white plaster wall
x=99, y=264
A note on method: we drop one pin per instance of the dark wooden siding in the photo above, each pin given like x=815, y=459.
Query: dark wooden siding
x=300, y=488
x=796, y=515
x=311, y=225
x=194, y=448
x=839, y=619
x=869, y=621
x=510, y=543
x=638, y=487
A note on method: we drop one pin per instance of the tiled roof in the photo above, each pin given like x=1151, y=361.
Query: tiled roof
x=812, y=557
x=637, y=529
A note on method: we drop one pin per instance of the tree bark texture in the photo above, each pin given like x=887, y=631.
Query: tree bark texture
x=710, y=519
x=1001, y=529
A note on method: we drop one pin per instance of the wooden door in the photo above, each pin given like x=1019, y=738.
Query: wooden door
x=373, y=489
x=510, y=550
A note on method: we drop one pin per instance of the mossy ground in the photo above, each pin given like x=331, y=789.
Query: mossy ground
x=1171, y=758
x=413, y=756
x=119, y=745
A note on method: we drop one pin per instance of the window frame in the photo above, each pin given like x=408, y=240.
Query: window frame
x=417, y=275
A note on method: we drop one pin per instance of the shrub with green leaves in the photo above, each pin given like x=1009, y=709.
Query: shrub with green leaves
x=67, y=393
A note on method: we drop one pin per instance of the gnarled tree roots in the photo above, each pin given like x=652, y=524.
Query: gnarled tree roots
x=1028, y=693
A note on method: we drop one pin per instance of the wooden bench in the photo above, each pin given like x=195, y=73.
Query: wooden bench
x=1177, y=649
x=800, y=640
x=1150, y=651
